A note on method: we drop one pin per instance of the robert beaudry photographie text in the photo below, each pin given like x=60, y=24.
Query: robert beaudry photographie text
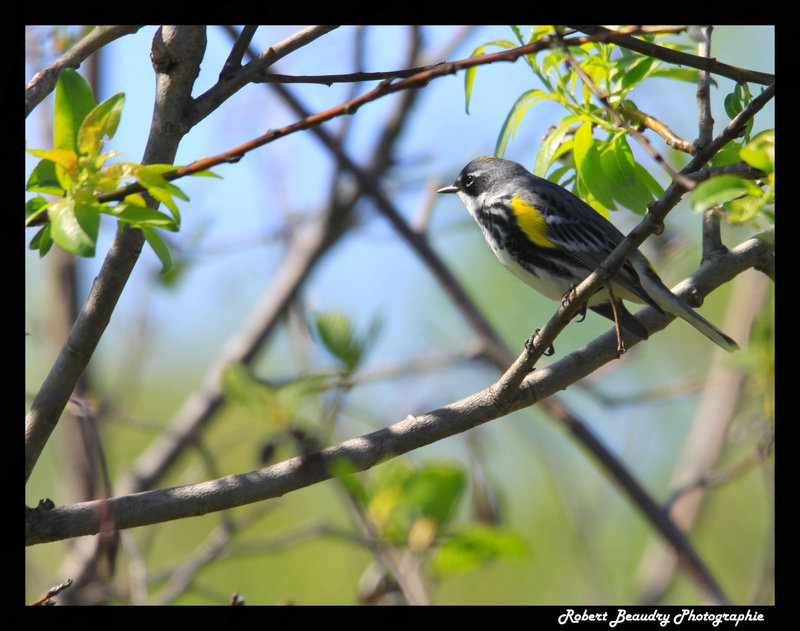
x=614, y=617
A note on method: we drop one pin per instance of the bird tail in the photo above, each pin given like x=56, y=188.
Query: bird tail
x=671, y=303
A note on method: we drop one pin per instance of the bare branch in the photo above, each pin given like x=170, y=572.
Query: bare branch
x=679, y=57
x=366, y=451
x=704, y=118
x=330, y=79
x=45, y=80
x=234, y=60
x=232, y=81
x=669, y=136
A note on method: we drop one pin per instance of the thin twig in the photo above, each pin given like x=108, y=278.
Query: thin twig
x=642, y=140
x=720, y=476
x=353, y=77
x=53, y=591
x=669, y=136
x=44, y=81
x=620, y=343
x=679, y=57
x=704, y=118
x=239, y=48
x=712, y=234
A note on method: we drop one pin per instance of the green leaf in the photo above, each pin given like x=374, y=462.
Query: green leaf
x=589, y=167
x=651, y=183
x=744, y=209
x=100, y=123
x=74, y=226
x=620, y=168
x=475, y=545
x=732, y=105
x=206, y=173
x=727, y=155
x=564, y=175
x=119, y=171
x=150, y=177
x=159, y=247
x=74, y=100
x=67, y=159
x=469, y=74
x=435, y=490
x=721, y=189
x=139, y=215
x=514, y=117
x=33, y=207
x=736, y=101
x=760, y=151
x=42, y=241
x=43, y=179
x=550, y=146
x=635, y=72
x=337, y=335
x=277, y=406
x=689, y=75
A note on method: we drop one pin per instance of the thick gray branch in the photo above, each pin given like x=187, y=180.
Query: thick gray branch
x=366, y=451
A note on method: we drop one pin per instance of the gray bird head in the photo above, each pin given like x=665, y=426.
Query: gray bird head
x=486, y=175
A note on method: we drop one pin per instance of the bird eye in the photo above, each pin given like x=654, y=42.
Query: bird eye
x=469, y=181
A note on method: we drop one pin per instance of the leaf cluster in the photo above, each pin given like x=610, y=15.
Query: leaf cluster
x=591, y=152
x=76, y=173
x=412, y=506
x=415, y=506
x=741, y=198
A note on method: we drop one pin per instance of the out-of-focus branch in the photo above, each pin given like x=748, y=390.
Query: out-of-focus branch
x=366, y=451
x=705, y=441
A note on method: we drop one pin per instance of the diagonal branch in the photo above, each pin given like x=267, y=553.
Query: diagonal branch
x=366, y=451
x=232, y=80
x=45, y=80
x=304, y=252
x=679, y=57
x=507, y=385
x=330, y=79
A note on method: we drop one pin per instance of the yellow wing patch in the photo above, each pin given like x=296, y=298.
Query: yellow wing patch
x=531, y=222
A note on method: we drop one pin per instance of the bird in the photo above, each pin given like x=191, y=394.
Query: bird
x=552, y=240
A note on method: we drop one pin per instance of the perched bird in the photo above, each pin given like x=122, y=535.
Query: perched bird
x=552, y=240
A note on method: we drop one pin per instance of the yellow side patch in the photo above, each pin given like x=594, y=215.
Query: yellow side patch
x=531, y=222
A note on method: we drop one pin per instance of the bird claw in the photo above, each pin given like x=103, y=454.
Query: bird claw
x=549, y=351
